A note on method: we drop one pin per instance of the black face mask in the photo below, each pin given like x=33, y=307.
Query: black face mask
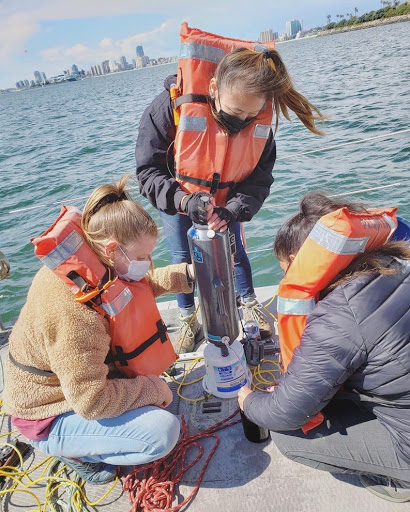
x=232, y=124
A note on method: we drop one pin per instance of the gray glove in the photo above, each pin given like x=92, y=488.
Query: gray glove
x=194, y=206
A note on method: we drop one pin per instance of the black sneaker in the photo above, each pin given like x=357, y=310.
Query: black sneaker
x=92, y=472
x=386, y=488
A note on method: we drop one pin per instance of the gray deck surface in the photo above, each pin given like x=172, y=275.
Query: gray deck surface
x=242, y=476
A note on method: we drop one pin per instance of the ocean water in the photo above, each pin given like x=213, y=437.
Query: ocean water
x=58, y=143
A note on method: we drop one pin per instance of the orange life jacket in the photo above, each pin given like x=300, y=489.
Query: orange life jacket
x=336, y=239
x=205, y=156
x=139, y=341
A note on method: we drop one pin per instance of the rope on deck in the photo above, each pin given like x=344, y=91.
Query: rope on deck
x=151, y=487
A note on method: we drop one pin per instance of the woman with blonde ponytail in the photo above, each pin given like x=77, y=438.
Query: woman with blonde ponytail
x=96, y=297
x=210, y=133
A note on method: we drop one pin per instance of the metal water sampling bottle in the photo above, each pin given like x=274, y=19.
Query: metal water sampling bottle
x=211, y=254
x=225, y=363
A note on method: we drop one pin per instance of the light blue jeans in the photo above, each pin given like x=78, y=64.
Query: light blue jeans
x=136, y=437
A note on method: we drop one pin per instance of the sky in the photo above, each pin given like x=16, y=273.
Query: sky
x=51, y=35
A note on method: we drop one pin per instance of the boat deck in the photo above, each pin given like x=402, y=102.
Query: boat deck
x=241, y=476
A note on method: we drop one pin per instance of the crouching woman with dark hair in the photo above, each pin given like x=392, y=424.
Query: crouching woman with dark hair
x=352, y=365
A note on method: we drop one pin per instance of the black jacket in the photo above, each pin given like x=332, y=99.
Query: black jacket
x=155, y=164
x=358, y=336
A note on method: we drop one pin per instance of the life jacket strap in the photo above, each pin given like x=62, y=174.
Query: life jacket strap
x=189, y=98
x=213, y=185
x=87, y=294
x=122, y=357
x=31, y=369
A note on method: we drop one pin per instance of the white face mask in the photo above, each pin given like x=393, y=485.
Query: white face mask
x=137, y=270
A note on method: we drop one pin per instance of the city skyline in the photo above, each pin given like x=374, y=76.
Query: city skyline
x=105, y=67
x=51, y=36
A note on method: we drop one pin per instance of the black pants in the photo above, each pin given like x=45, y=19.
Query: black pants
x=354, y=442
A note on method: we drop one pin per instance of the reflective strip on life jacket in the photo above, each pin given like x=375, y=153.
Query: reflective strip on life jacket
x=261, y=131
x=64, y=250
x=202, y=148
x=130, y=307
x=192, y=124
x=201, y=52
x=391, y=223
x=295, y=306
x=336, y=242
x=115, y=307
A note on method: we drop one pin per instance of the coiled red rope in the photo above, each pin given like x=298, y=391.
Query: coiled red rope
x=151, y=487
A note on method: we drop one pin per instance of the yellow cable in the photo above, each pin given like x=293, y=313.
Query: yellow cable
x=190, y=367
x=257, y=375
x=8, y=433
x=8, y=491
x=17, y=478
x=186, y=330
x=265, y=307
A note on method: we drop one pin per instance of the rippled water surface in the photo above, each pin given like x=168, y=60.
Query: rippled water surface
x=58, y=143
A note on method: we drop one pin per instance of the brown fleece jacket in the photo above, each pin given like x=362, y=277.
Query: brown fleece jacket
x=55, y=333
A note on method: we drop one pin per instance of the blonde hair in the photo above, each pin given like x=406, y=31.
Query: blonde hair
x=111, y=215
x=265, y=74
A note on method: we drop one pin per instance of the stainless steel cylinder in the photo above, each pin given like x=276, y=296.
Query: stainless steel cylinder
x=212, y=259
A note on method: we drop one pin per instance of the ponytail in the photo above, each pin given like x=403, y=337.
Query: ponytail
x=265, y=74
x=111, y=215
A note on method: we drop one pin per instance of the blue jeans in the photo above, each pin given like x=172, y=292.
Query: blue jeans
x=175, y=231
x=136, y=437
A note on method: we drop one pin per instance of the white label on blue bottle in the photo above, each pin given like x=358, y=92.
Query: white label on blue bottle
x=232, y=377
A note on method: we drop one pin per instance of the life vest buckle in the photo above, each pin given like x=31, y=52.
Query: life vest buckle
x=86, y=293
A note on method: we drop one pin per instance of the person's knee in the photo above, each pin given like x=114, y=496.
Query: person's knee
x=167, y=434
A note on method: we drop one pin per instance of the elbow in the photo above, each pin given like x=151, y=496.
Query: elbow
x=87, y=413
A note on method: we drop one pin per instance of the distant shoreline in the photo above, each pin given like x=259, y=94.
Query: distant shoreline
x=366, y=24
x=14, y=89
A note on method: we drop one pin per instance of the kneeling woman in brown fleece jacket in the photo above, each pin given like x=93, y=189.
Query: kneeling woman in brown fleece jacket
x=57, y=387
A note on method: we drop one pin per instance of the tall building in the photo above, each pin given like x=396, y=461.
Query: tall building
x=113, y=66
x=268, y=35
x=293, y=27
x=140, y=51
x=123, y=63
x=74, y=70
x=26, y=83
x=140, y=62
x=43, y=77
x=37, y=77
x=105, y=67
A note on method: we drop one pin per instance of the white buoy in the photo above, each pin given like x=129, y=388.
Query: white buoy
x=225, y=375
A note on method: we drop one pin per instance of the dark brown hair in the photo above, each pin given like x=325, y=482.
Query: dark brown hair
x=312, y=207
x=265, y=74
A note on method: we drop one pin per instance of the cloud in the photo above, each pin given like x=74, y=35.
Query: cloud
x=158, y=40
x=21, y=20
x=14, y=31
